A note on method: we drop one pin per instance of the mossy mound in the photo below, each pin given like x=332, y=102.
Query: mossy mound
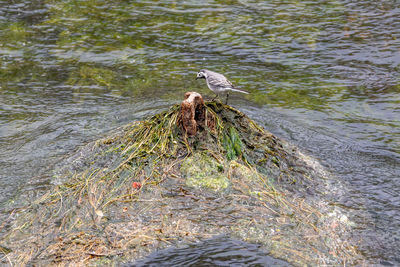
x=148, y=186
x=201, y=170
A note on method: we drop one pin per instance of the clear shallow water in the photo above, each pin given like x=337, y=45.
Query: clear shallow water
x=322, y=75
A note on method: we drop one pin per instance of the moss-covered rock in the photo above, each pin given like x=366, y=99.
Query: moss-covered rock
x=149, y=186
x=202, y=170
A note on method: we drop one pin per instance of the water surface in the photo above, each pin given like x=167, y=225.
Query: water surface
x=219, y=251
x=324, y=75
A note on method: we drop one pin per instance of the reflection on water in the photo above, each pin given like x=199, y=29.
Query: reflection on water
x=219, y=251
x=324, y=75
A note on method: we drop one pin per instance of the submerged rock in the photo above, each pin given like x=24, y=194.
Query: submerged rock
x=201, y=170
x=230, y=177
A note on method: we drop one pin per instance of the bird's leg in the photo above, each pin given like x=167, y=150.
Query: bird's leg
x=227, y=95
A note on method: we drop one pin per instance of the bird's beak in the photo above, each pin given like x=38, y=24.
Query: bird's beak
x=197, y=78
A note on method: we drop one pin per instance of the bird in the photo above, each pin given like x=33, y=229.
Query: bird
x=218, y=83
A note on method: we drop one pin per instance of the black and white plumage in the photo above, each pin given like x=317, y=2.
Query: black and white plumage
x=218, y=83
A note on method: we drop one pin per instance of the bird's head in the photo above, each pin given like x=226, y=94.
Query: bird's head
x=201, y=74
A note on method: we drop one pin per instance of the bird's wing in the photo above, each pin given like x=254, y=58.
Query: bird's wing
x=219, y=80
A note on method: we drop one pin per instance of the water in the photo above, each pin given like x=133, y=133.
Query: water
x=322, y=75
x=219, y=251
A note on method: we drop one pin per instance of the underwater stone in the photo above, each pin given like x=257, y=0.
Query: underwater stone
x=203, y=171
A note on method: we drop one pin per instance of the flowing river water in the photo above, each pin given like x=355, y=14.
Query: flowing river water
x=324, y=75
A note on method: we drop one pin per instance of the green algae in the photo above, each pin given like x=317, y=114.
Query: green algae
x=232, y=144
x=89, y=75
x=107, y=44
x=126, y=47
x=13, y=35
x=201, y=170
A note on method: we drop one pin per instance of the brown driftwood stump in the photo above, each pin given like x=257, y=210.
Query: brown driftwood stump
x=192, y=114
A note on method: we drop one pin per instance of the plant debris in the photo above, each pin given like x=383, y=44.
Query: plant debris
x=150, y=185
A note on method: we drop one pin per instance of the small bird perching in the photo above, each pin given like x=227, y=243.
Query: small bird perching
x=218, y=83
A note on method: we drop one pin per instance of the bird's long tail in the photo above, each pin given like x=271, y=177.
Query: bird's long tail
x=238, y=90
